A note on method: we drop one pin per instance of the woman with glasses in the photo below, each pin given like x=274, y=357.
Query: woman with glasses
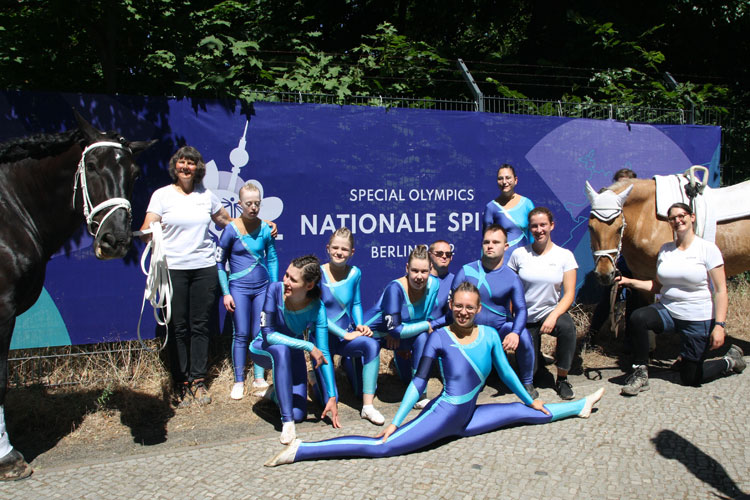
x=688, y=270
x=466, y=353
x=509, y=210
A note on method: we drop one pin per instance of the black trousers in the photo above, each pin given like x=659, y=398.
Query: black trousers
x=195, y=295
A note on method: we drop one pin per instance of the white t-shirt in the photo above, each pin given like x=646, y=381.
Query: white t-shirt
x=542, y=277
x=683, y=275
x=185, y=219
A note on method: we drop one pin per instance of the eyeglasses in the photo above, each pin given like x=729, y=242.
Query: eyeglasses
x=440, y=253
x=677, y=217
x=468, y=309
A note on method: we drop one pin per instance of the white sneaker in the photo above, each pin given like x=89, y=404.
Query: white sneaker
x=285, y=456
x=370, y=413
x=420, y=405
x=288, y=433
x=238, y=390
x=260, y=388
x=591, y=400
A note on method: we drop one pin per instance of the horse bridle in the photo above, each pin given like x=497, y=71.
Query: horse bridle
x=598, y=254
x=112, y=204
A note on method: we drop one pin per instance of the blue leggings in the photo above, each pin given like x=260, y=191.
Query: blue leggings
x=289, y=377
x=248, y=306
x=360, y=358
x=524, y=352
x=406, y=367
x=440, y=419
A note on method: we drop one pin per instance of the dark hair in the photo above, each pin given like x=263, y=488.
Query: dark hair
x=188, y=153
x=342, y=232
x=683, y=206
x=495, y=227
x=507, y=165
x=432, y=245
x=465, y=286
x=624, y=173
x=419, y=252
x=310, y=267
x=542, y=210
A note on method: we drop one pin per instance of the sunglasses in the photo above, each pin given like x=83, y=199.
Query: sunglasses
x=440, y=253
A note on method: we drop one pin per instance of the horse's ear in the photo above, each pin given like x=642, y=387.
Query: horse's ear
x=91, y=134
x=137, y=147
x=590, y=193
x=622, y=196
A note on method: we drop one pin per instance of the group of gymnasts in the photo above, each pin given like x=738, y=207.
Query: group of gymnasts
x=466, y=321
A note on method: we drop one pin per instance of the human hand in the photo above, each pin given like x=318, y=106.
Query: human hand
x=274, y=230
x=538, y=405
x=510, y=342
x=229, y=303
x=717, y=337
x=366, y=331
x=318, y=358
x=549, y=324
x=352, y=335
x=386, y=433
x=332, y=407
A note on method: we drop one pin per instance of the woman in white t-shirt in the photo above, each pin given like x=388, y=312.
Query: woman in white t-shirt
x=683, y=269
x=186, y=209
x=548, y=274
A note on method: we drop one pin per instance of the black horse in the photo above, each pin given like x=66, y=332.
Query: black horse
x=49, y=185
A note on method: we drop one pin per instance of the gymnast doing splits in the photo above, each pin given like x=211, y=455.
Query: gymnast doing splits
x=466, y=353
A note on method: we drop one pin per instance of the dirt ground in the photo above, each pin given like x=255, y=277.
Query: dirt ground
x=56, y=426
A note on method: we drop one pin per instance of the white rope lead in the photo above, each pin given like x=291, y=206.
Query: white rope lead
x=158, y=291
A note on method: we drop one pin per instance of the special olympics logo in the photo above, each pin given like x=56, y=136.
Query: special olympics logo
x=226, y=185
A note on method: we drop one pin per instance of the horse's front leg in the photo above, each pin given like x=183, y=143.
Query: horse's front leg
x=12, y=464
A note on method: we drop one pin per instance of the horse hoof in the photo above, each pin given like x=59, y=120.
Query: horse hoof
x=14, y=467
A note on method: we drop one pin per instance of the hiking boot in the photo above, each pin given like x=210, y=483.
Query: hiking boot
x=200, y=393
x=532, y=392
x=183, y=396
x=564, y=389
x=636, y=382
x=735, y=359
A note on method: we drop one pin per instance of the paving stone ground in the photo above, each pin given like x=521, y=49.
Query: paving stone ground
x=671, y=442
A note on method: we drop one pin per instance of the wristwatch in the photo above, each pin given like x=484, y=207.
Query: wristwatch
x=721, y=324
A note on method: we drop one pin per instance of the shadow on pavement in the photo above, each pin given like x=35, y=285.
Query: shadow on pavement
x=671, y=445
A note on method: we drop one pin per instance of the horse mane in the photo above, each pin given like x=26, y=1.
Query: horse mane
x=622, y=184
x=38, y=146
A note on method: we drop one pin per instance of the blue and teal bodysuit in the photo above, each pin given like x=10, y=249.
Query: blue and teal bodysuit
x=344, y=310
x=284, y=337
x=515, y=221
x=455, y=412
x=499, y=289
x=395, y=316
x=442, y=312
x=252, y=264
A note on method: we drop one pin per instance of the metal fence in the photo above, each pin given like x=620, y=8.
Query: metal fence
x=32, y=366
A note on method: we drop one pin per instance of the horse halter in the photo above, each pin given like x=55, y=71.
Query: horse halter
x=112, y=204
x=606, y=206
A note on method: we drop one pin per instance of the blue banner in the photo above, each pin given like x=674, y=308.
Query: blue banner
x=396, y=177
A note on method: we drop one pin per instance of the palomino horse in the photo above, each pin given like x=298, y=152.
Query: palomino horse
x=49, y=185
x=627, y=224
